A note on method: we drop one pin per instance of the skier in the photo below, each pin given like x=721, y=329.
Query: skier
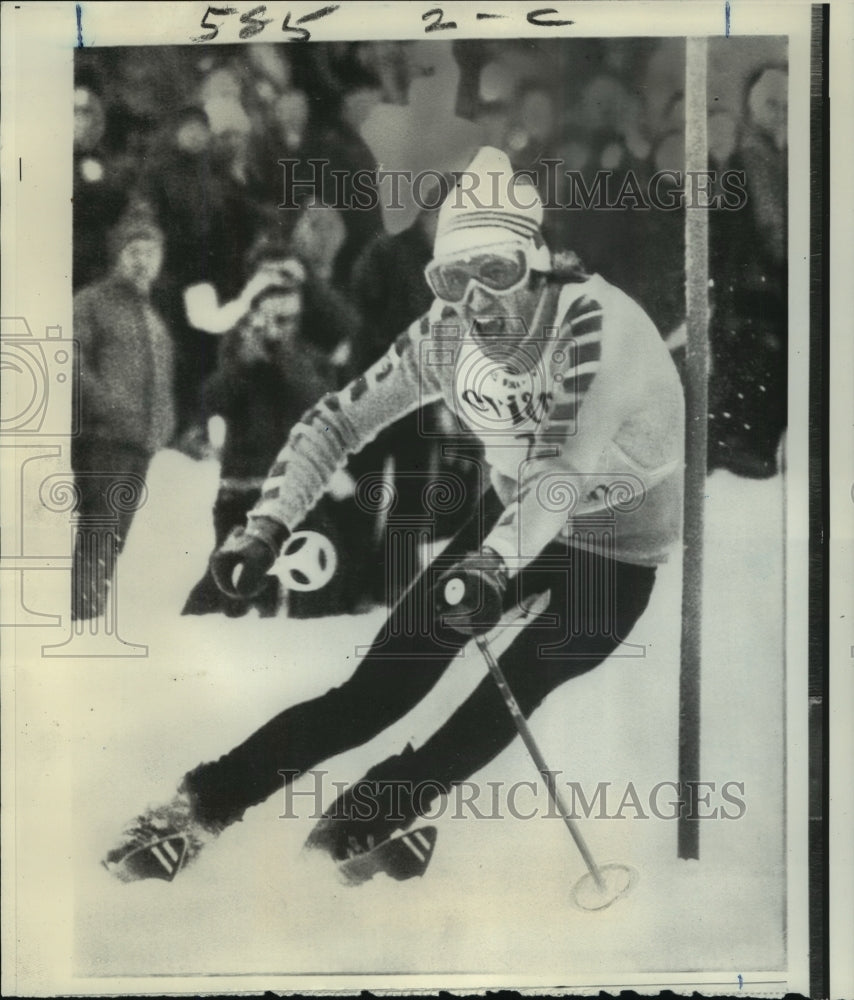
x=575, y=398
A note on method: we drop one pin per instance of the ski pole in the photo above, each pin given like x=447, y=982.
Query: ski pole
x=537, y=757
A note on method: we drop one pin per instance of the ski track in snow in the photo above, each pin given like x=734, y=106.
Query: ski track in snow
x=497, y=897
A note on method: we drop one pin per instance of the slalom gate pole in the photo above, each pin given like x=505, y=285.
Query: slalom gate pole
x=696, y=420
x=537, y=757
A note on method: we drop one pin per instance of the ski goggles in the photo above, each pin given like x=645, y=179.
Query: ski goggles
x=498, y=269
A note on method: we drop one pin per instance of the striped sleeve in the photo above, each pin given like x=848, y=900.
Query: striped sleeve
x=342, y=423
x=580, y=335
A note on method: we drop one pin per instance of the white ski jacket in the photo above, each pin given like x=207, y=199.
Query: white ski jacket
x=588, y=444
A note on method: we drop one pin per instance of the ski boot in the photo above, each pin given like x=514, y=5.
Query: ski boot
x=361, y=831
x=358, y=858
x=160, y=842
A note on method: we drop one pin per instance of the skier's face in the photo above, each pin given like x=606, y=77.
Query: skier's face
x=491, y=315
x=490, y=289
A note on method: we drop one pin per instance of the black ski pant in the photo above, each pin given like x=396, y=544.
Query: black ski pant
x=110, y=481
x=594, y=603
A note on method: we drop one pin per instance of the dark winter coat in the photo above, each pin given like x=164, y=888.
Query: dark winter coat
x=209, y=220
x=390, y=289
x=261, y=401
x=125, y=367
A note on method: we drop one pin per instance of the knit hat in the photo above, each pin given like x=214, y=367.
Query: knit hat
x=492, y=206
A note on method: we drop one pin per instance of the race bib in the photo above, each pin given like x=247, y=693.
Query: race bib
x=491, y=398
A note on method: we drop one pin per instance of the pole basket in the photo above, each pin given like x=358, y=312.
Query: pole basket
x=617, y=879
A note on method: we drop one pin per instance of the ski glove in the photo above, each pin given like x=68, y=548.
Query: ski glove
x=240, y=565
x=470, y=595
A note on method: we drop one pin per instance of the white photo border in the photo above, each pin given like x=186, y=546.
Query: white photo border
x=39, y=41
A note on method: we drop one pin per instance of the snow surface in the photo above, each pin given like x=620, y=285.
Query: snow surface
x=497, y=897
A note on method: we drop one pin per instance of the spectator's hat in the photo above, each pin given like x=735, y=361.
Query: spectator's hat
x=489, y=206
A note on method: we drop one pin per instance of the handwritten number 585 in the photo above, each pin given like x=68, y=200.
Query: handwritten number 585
x=254, y=23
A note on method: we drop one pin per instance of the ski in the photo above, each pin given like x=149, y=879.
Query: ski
x=403, y=857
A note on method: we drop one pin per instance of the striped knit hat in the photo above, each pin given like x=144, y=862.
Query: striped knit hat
x=492, y=206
